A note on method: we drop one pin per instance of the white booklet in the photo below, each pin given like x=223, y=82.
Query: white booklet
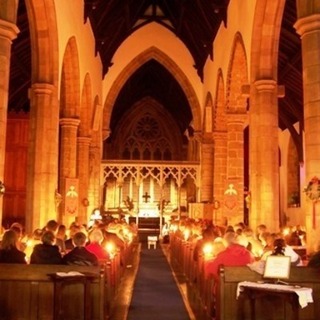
x=69, y=274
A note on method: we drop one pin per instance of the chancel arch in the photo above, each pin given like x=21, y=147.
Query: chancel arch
x=163, y=59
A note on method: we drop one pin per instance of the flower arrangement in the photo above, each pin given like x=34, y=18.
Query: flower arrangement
x=312, y=190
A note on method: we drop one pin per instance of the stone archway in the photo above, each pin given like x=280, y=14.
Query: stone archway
x=236, y=108
x=220, y=149
x=171, y=66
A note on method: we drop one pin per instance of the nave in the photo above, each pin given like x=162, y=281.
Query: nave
x=152, y=287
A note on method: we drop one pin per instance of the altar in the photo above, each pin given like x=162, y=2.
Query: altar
x=148, y=210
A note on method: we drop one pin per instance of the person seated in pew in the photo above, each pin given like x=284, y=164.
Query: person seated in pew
x=32, y=242
x=46, y=252
x=94, y=246
x=19, y=230
x=235, y=254
x=9, y=253
x=79, y=255
x=53, y=226
x=281, y=248
x=73, y=229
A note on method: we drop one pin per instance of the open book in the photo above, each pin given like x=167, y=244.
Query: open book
x=69, y=274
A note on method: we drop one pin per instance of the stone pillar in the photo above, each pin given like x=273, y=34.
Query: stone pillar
x=42, y=170
x=206, y=168
x=235, y=166
x=83, y=175
x=264, y=155
x=308, y=27
x=68, y=158
x=193, y=147
x=8, y=32
x=94, y=179
x=219, y=172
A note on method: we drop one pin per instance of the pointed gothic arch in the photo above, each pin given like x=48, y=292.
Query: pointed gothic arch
x=44, y=41
x=237, y=76
x=145, y=130
x=219, y=121
x=70, y=82
x=264, y=49
x=86, y=111
x=208, y=114
x=170, y=65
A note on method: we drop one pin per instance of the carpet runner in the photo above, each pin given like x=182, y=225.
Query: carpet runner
x=155, y=293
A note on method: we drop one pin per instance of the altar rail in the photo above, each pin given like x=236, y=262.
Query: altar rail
x=224, y=305
x=27, y=291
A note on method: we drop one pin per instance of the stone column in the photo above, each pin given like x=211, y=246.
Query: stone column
x=219, y=171
x=83, y=175
x=94, y=178
x=8, y=32
x=308, y=27
x=42, y=170
x=264, y=155
x=206, y=168
x=235, y=166
x=68, y=158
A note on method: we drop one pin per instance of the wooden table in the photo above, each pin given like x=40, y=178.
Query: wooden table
x=254, y=291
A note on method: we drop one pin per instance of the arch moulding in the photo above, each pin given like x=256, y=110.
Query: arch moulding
x=170, y=65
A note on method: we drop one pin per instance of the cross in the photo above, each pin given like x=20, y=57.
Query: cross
x=146, y=197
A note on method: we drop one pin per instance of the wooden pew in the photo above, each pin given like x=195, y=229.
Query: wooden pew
x=267, y=308
x=27, y=292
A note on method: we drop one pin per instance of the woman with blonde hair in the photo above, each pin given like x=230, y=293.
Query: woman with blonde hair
x=9, y=253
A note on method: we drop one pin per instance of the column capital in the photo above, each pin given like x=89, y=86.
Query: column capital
x=234, y=117
x=69, y=122
x=41, y=88
x=308, y=24
x=269, y=85
x=198, y=135
x=84, y=140
x=8, y=30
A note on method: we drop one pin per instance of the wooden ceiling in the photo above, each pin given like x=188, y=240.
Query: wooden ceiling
x=195, y=22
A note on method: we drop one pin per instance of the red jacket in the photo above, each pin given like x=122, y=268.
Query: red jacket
x=233, y=255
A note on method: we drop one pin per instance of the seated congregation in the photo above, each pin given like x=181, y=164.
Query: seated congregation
x=61, y=273
x=216, y=259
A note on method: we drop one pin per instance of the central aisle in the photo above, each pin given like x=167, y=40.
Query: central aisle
x=155, y=293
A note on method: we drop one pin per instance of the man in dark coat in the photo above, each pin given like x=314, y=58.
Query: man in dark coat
x=79, y=255
x=46, y=252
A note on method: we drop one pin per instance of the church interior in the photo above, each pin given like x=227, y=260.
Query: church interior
x=160, y=111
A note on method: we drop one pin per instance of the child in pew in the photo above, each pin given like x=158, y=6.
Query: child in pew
x=9, y=253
